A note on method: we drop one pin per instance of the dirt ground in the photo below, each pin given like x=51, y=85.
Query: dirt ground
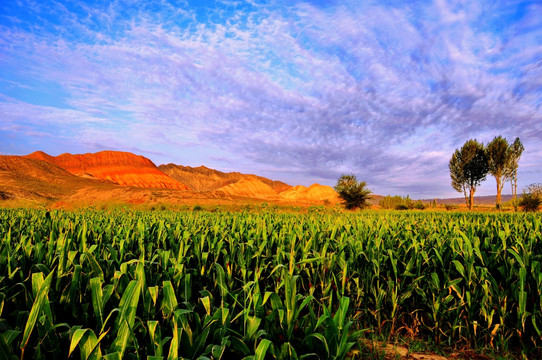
x=400, y=352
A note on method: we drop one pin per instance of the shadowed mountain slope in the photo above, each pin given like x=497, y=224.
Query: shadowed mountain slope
x=203, y=179
x=30, y=178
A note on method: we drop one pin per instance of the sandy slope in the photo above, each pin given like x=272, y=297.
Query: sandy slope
x=315, y=192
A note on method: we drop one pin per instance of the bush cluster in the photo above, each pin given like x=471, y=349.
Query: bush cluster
x=532, y=198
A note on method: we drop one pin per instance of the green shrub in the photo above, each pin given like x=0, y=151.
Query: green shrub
x=419, y=205
x=530, y=202
x=532, y=197
x=354, y=194
x=392, y=202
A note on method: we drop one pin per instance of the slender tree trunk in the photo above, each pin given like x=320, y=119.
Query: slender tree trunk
x=471, y=197
x=513, y=196
x=465, y=195
x=499, y=190
x=515, y=192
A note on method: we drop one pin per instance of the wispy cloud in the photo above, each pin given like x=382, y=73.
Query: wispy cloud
x=384, y=91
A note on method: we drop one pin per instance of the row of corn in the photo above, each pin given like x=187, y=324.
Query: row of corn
x=199, y=285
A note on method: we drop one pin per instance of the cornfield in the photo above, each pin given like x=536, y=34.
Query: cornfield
x=201, y=285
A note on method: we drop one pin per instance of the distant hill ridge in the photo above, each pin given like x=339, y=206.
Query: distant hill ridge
x=237, y=184
x=118, y=175
x=478, y=200
x=122, y=168
x=42, y=176
x=202, y=178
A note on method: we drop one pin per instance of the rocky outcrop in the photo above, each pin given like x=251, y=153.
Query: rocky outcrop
x=122, y=168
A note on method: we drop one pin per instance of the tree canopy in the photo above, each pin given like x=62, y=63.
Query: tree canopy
x=456, y=173
x=498, y=157
x=468, y=168
x=503, y=162
x=511, y=173
x=353, y=193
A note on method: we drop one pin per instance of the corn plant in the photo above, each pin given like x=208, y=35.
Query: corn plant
x=263, y=285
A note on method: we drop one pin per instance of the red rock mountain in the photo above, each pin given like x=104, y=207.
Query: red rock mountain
x=26, y=178
x=121, y=168
x=89, y=177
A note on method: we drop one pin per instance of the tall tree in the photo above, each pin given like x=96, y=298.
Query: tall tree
x=516, y=149
x=468, y=168
x=456, y=173
x=353, y=193
x=498, y=159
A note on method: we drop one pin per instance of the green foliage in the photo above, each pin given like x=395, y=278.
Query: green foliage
x=470, y=165
x=353, y=193
x=451, y=206
x=222, y=285
x=419, y=205
x=503, y=162
x=468, y=168
x=516, y=149
x=530, y=202
x=391, y=202
x=400, y=203
x=532, y=198
x=498, y=157
x=511, y=173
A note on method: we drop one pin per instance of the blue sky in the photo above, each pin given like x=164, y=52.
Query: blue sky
x=298, y=91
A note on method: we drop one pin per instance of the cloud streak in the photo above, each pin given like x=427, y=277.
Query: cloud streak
x=297, y=91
